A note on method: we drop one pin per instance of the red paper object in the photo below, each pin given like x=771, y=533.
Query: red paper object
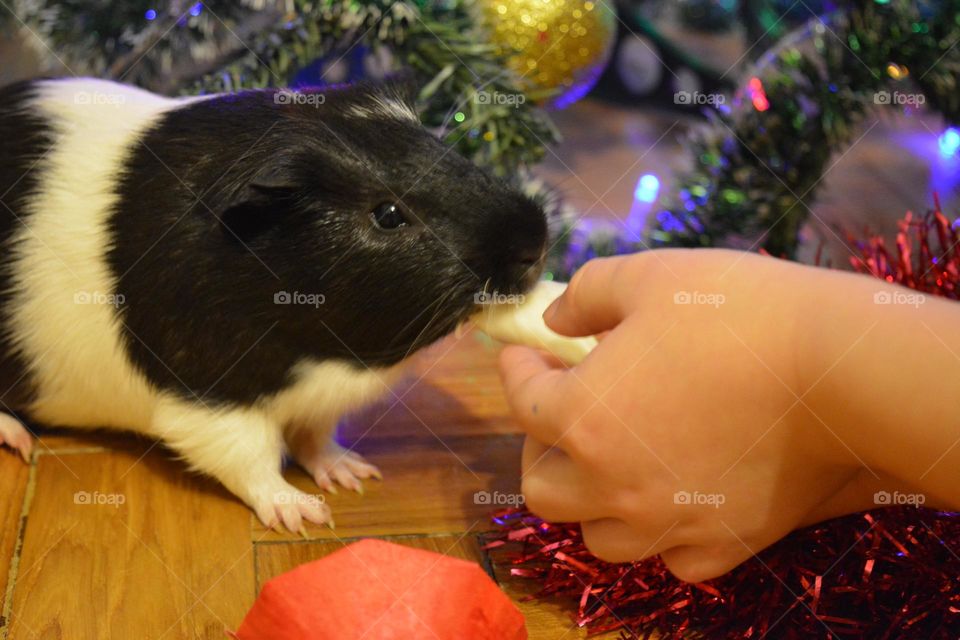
x=377, y=590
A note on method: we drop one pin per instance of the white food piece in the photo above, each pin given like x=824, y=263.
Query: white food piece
x=522, y=323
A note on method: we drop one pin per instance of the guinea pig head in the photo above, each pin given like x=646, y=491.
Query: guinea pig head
x=389, y=237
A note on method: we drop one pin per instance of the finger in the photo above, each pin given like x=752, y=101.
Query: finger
x=614, y=540
x=535, y=391
x=554, y=488
x=695, y=563
x=594, y=301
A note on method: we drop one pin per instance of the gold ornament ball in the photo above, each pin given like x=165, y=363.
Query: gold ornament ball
x=560, y=45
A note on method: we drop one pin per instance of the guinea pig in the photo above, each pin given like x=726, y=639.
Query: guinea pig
x=231, y=274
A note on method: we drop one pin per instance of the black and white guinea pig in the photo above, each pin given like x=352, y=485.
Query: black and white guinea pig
x=232, y=273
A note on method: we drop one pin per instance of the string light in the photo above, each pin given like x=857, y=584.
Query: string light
x=949, y=142
x=757, y=95
x=648, y=187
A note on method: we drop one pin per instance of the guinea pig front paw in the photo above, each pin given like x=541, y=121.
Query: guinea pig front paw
x=333, y=464
x=288, y=506
x=15, y=435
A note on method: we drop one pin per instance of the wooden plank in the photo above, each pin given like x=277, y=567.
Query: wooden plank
x=114, y=548
x=428, y=487
x=14, y=475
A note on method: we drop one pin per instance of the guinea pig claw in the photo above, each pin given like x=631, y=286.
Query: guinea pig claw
x=323, y=480
x=334, y=465
x=289, y=508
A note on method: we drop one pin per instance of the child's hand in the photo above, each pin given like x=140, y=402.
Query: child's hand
x=689, y=431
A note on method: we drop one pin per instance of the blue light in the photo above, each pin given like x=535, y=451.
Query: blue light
x=196, y=9
x=949, y=142
x=150, y=14
x=647, y=188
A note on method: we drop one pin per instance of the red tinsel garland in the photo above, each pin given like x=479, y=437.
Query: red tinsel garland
x=918, y=263
x=889, y=574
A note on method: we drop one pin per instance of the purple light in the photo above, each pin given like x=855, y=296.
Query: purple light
x=151, y=14
x=196, y=9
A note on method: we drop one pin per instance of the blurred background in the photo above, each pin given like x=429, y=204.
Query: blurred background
x=596, y=106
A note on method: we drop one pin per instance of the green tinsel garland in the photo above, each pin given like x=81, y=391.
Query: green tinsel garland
x=226, y=46
x=440, y=42
x=756, y=170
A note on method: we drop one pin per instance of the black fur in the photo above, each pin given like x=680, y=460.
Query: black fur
x=231, y=200
x=24, y=140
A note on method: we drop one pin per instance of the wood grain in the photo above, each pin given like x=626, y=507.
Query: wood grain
x=428, y=487
x=174, y=560
x=14, y=474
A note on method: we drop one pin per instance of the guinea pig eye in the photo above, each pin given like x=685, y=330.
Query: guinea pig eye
x=387, y=216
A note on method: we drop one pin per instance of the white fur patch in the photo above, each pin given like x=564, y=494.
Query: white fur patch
x=242, y=447
x=63, y=307
x=385, y=107
x=325, y=391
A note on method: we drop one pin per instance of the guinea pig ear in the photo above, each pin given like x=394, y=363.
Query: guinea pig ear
x=258, y=204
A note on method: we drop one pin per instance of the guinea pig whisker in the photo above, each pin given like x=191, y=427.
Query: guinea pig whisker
x=427, y=308
x=440, y=303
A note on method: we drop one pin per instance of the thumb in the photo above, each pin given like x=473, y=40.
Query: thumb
x=597, y=299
